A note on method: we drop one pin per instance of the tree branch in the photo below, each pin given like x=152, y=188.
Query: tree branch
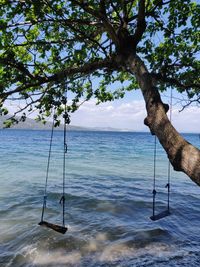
x=189, y=102
x=141, y=23
x=100, y=16
x=17, y=65
x=173, y=81
x=160, y=4
x=64, y=21
x=62, y=74
x=116, y=11
x=84, y=69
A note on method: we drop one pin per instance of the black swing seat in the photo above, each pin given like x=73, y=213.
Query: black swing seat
x=55, y=227
x=160, y=215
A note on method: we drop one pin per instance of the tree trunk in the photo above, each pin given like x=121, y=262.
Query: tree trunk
x=182, y=155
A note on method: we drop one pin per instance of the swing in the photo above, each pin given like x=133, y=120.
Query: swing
x=58, y=228
x=165, y=213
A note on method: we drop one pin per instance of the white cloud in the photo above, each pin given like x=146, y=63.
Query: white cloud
x=187, y=120
x=130, y=116
x=122, y=115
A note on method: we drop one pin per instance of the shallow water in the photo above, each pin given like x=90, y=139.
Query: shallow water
x=108, y=202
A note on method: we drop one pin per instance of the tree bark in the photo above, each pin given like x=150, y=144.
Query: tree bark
x=182, y=155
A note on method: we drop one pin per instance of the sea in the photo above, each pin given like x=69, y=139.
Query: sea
x=108, y=189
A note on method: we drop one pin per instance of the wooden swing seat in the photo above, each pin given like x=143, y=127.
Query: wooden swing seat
x=160, y=215
x=55, y=227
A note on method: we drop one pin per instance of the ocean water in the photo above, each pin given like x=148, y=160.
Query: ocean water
x=109, y=178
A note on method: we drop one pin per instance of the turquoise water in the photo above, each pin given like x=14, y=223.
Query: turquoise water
x=109, y=201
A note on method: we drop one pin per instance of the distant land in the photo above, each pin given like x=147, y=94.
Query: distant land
x=31, y=124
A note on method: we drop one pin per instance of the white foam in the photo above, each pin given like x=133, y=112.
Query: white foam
x=57, y=257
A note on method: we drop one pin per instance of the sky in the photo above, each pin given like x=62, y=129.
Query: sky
x=129, y=113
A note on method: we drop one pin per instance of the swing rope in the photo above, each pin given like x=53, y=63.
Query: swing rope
x=154, y=177
x=47, y=171
x=169, y=165
x=65, y=150
x=61, y=229
x=154, y=192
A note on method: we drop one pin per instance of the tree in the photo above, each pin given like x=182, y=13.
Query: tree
x=50, y=46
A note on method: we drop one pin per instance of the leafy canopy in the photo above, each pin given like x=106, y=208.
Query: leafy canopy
x=50, y=46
